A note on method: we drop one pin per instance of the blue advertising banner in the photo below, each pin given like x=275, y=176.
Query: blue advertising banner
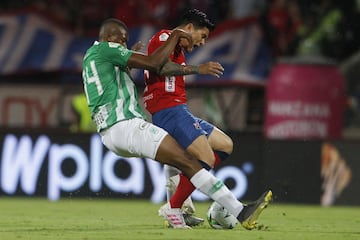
x=59, y=165
x=56, y=165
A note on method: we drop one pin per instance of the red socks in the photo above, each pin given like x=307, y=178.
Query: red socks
x=185, y=187
x=183, y=191
x=218, y=160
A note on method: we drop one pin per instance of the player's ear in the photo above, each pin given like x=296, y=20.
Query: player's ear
x=189, y=27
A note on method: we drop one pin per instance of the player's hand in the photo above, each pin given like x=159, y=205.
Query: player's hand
x=137, y=46
x=186, y=45
x=185, y=39
x=211, y=68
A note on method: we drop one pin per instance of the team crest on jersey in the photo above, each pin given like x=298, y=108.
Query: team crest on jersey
x=163, y=37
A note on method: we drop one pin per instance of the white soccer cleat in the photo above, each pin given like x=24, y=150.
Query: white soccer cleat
x=171, y=185
x=173, y=216
x=188, y=208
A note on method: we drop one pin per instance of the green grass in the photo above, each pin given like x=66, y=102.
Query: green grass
x=85, y=219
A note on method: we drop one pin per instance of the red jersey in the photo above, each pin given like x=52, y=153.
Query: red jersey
x=164, y=91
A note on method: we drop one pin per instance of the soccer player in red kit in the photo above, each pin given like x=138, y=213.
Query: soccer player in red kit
x=165, y=98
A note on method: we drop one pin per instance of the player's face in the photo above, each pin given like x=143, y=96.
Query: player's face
x=121, y=36
x=199, y=36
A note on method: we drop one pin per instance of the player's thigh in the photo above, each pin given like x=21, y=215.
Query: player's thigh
x=134, y=138
x=171, y=153
x=201, y=149
x=220, y=141
x=217, y=139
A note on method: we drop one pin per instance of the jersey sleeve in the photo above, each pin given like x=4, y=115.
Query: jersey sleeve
x=158, y=40
x=115, y=53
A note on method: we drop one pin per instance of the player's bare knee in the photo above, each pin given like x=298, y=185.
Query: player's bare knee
x=206, y=157
x=188, y=166
x=228, y=145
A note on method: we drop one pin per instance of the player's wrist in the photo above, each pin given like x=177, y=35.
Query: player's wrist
x=190, y=69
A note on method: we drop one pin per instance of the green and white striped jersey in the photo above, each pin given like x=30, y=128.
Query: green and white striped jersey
x=110, y=91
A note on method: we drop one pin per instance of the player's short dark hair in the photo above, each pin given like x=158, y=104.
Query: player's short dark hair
x=198, y=19
x=110, y=26
x=114, y=21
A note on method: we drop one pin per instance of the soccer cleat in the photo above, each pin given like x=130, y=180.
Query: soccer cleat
x=173, y=216
x=251, y=211
x=192, y=220
x=171, y=185
x=188, y=206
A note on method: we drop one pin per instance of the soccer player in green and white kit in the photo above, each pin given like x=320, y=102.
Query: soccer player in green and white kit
x=113, y=103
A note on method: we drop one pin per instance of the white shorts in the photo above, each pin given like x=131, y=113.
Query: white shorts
x=133, y=138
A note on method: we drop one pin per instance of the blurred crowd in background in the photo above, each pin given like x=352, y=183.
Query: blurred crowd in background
x=315, y=28
x=292, y=27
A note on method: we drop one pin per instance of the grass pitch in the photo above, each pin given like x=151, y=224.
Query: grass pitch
x=87, y=219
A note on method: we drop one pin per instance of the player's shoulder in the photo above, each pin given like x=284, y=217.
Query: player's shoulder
x=162, y=35
x=112, y=47
x=158, y=39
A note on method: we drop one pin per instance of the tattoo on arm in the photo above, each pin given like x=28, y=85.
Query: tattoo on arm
x=174, y=69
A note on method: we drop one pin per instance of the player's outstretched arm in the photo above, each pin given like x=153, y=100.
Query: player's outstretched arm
x=157, y=59
x=209, y=68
